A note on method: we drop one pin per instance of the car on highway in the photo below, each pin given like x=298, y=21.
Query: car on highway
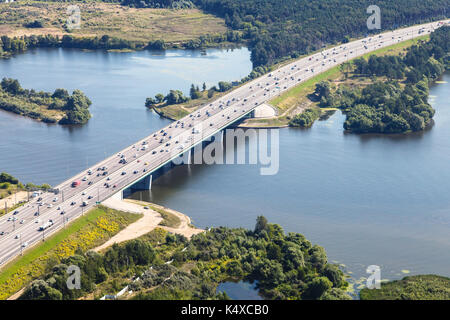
x=124, y=173
x=15, y=212
x=74, y=184
x=73, y=203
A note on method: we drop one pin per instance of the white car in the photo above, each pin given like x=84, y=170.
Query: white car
x=22, y=221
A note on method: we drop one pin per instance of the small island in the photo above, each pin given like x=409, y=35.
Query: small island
x=387, y=94
x=57, y=107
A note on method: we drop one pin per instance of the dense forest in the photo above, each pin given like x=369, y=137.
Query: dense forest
x=286, y=266
x=397, y=105
x=281, y=28
x=44, y=106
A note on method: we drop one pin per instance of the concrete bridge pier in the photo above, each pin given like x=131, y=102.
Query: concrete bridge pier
x=143, y=184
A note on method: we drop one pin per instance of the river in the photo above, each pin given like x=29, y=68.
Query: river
x=367, y=199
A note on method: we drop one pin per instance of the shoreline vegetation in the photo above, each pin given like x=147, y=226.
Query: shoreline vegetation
x=57, y=107
x=162, y=265
x=420, y=287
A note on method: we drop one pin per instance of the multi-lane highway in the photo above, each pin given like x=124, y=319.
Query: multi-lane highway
x=21, y=230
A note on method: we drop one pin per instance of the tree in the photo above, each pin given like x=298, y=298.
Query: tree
x=150, y=102
x=261, y=224
x=159, y=98
x=323, y=90
x=224, y=86
x=11, y=85
x=175, y=97
x=77, y=109
x=40, y=290
x=61, y=94
x=345, y=67
x=194, y=92
x=316, y=288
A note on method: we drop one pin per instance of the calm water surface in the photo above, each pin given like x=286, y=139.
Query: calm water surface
x=117, y=84
x=367, y=199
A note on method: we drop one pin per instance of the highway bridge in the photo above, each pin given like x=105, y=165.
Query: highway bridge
x=19, y=229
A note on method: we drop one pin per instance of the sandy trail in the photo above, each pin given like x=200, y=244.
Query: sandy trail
x=13, y=199
x=147, y=223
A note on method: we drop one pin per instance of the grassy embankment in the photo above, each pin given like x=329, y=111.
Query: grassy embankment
x=114, y=20
x=420, y=287
x=87, y=232
x=293, y=101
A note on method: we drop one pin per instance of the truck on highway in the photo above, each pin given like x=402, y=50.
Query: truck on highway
x=76, y=183
x=46, y=225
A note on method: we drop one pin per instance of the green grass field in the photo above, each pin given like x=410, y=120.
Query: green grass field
x=100, y=18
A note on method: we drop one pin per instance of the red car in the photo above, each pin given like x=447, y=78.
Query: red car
x=76, y=183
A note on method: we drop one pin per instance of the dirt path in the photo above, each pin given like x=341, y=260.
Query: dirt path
x=13, y=199
x=147, y=223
